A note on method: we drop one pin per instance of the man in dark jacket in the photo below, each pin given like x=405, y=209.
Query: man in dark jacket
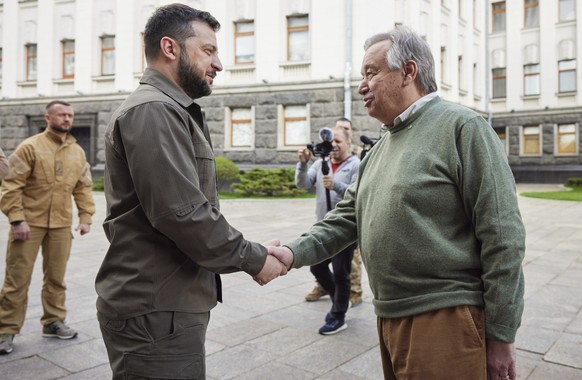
x=159, y=281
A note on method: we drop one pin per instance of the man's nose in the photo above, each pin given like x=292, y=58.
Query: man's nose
x=363, y=87
x=216, y=64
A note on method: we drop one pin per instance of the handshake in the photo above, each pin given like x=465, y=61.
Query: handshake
x=278, y=263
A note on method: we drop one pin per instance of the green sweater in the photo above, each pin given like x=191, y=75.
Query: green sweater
x=435, y=212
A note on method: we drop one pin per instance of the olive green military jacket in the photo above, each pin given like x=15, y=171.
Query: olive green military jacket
x=168, y=237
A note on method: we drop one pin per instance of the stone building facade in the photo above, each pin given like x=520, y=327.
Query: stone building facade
x=292, y=67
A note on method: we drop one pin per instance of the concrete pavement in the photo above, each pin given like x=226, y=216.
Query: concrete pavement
x=270, y=332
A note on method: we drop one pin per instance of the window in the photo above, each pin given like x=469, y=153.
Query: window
x=532, y=13
x=567, y=75
x=244, y=42
x=502, y=134
x=31, y=60
x=499, y=79
x=241, y=128
x=444, y=64
x=68, y=58
x=531, y=140
x=298, y=48
x=567, y=10
x=531, y=79
x=498, y=11
x=566, y=137
x=295, y=126
x=107, y=55
x=0, y=64
x=460, y=73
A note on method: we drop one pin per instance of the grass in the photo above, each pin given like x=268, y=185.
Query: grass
x=572, y=194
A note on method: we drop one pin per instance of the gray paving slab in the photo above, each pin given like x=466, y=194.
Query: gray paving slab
x=271, y=332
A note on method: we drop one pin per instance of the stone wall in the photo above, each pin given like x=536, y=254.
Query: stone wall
x=18, y=121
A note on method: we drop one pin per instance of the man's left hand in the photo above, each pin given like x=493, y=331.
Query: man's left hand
x=83, y=228
x=501, y=358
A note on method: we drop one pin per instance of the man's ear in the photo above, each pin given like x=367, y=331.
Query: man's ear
x=169, y=48
x=410, y=71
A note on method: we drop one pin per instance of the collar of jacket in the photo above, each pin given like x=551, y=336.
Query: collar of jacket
x=57, y=139
x=159, y=81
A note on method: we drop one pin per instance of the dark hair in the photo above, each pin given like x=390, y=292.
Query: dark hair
x=173, y=21
x=407, y=45
x=54, y=102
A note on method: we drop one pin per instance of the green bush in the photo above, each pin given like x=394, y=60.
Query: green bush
x=226, y=171
x=98, y=184
x=267, y=182
x=574, y=182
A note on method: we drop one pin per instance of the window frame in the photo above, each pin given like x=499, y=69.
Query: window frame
x=233, y=122
x=560, y=19
x=238, y=34
x=296, y=29
x=494, y=12
x=527, y=76
x=104, y=50
x=498, y=77
x=505, y=141
x=64, y=55
x=523, y=139
x=531, y=4
x=29, y=59
x=560, y=72
x=282, y=126
x=557, y=136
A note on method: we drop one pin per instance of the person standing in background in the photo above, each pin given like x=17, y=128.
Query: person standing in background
x=344, y=172
x=356, y=273
x=46, y=171
x=4, y=166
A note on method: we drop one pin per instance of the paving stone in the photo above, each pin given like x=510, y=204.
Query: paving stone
x=270, y=332
x=79, y=357
x=567, y=351
x=536, y=339
x=31, y=368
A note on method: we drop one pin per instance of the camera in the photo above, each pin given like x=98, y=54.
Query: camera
x=325, y=147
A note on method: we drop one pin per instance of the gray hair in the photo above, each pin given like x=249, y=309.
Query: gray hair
x=408, y=46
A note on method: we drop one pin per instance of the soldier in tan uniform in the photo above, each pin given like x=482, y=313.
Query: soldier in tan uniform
x=46, y=171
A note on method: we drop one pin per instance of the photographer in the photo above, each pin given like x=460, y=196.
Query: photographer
x=344, y=171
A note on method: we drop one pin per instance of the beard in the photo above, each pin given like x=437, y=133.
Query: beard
x=59, y=128
x=192, y=84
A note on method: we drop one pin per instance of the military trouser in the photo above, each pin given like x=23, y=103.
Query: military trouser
x=356, y=273
x=158, y=345
x=20, y=258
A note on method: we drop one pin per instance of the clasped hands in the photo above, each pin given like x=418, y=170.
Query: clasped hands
x=278, y=263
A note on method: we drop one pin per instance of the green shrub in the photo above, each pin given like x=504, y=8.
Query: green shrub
x=226, y=171
x=267, y=182
x=98, y=184
x=574, y=182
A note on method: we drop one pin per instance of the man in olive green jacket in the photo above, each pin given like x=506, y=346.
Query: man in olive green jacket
x=158, y=281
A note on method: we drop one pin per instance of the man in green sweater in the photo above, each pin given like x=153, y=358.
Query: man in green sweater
x=435, y=212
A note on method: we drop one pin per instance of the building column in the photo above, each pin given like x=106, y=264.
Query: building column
x=124, y=45
x=45, y=48
x=11, y=60
x=84, y=46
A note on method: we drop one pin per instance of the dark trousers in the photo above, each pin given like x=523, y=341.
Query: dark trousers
x=337, y=284
x=158, y=345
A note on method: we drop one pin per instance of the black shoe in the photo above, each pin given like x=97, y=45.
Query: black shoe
x=333, y=327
